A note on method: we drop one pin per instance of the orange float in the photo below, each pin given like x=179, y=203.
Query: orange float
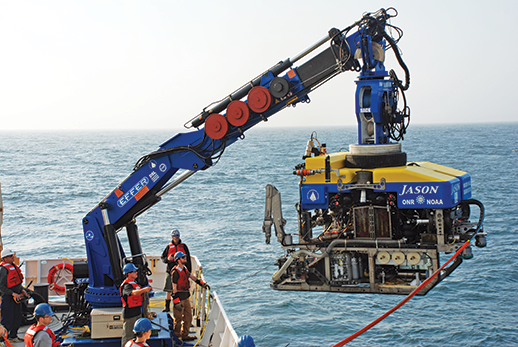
x=55, y=275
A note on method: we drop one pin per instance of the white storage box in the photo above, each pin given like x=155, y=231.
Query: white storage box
x=106, y=322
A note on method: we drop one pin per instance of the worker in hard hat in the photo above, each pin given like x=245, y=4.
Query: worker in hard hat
x=39, y=335
x=167, y=257
x=142, y=330
x=182, y=310
x=132, y=296
x=11, y=290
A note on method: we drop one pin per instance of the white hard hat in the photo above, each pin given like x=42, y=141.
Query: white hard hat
x=6, y=252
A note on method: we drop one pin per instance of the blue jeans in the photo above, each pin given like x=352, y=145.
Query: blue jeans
x=11, y=315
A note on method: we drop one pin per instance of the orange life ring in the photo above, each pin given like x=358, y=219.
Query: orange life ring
x=54, y=276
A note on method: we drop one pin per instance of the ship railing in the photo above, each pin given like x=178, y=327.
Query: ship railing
x=209, y=315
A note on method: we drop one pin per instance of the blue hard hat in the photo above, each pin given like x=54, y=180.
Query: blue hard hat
x=43, y=309
x=142, y=325
x=178, y=255
x=246, y=341
x=130, y=267
x=175, y=233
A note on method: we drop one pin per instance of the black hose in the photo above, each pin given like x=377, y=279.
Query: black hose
x=482, y=212
x=143, y=160
x=400, y=60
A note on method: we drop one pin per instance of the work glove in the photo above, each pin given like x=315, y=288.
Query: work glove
x=203, y=284
x=177, y=303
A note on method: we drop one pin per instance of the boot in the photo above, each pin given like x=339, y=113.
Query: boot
x=167, y=305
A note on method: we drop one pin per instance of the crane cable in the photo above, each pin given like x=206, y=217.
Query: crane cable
x=404, y=301
x=243, y=279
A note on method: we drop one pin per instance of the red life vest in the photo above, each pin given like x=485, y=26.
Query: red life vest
x=132, y=343
x=176, y=248
x=133, y=300
x=183, y=281
x=14, y=276
x=31, y=332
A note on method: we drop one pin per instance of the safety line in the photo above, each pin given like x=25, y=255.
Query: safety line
x=404, y=301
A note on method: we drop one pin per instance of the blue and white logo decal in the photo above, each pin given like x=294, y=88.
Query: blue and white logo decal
x=132, y=192
x=154, y=176
x=420, y=195
x=455, y=192
x=312, y=195
x=425, y=190
x=89, y=235
x=420, y=199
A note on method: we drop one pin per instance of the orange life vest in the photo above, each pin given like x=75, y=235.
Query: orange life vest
x=14, y=276
x=176, y=248
x=183, y=280
x=31, y=332
x=133, y=300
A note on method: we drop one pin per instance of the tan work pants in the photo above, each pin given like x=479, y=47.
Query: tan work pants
x=182, y=316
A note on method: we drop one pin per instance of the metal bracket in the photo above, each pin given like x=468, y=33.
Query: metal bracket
x=342, y=187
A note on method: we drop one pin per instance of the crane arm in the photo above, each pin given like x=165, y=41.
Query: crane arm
x=219, y=126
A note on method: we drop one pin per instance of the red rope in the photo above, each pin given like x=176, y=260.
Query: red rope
x=404, y=301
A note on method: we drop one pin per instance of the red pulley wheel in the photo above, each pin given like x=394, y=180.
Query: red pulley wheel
x=237, y=113
x=216, y=126
x=259, y=99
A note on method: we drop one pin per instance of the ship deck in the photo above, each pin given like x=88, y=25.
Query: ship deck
x=199, y=328
x=210, y=323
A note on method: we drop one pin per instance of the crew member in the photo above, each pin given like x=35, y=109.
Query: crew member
x=132, y=296
x=142, y=330
x=12, y=292
x=182, y=310
x=39, y=335
x=176, y=245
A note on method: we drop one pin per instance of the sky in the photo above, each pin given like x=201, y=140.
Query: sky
x=155, y=64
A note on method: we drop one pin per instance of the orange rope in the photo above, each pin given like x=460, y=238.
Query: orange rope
x=404, y=301
x=7, y=343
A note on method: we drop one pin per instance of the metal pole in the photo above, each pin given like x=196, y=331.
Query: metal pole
x=310, y=49
x=183, y=176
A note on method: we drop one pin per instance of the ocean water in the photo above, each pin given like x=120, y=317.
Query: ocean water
x=50, y=180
